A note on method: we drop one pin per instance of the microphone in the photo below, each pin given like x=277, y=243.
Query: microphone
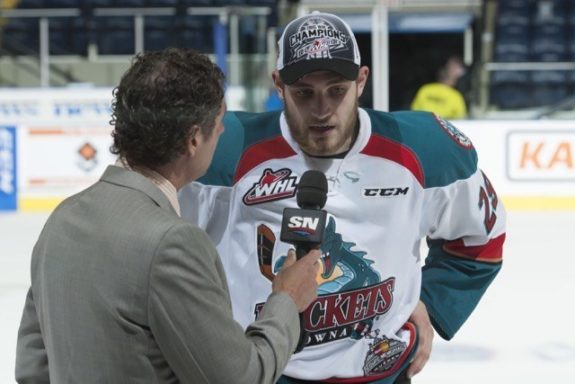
x=304, y=226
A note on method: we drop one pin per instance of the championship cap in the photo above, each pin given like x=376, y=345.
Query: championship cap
x=315, y=42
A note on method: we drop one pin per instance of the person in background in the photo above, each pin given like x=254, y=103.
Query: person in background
x=442, y=96
x=393, y=180
x=124, y=290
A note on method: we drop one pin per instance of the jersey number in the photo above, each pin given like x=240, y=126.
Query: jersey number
x=488, y=202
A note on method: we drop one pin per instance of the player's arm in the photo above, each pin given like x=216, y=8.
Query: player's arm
x=31, y=356
x=205, y=202
x=207, y=207
x=465, y=250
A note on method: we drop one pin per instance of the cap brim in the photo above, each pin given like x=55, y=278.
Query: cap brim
x=291, y=73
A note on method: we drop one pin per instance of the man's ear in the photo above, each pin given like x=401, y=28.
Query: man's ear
x=194, y=140
x=362, y=79
x=278, y=83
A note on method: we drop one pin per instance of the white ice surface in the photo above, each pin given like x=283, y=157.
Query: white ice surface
x=522, y=332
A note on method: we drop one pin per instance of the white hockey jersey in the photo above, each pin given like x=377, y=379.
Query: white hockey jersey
x=408, y=176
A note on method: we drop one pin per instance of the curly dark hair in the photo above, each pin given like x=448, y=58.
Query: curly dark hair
x=158, y=101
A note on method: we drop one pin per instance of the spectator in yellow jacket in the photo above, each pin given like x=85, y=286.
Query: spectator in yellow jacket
x=442, y=97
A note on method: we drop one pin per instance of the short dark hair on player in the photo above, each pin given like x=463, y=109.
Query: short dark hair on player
x=158, y=101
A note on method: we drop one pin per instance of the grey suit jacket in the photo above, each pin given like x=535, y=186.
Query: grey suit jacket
x=124, y=291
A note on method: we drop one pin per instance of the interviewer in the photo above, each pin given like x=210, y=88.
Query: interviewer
x=123, y=290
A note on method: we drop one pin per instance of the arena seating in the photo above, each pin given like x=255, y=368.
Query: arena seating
x=533, y=31
x=114, y=35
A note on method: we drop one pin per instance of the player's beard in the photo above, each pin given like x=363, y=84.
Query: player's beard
x=347, y=131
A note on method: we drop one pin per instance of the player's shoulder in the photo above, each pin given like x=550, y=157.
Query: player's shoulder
x=241, y=131
x=444, y=152
x=254, y=127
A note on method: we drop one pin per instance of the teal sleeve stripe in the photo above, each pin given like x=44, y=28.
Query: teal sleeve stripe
x=442, y=158
x=452, y=287
x=227, y=154
x=260, y=126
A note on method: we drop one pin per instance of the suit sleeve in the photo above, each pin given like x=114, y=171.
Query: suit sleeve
x=31, y=356
x=465, y=250
x=191, y=318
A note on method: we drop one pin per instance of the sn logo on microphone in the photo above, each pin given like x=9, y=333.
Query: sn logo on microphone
x=303, y=226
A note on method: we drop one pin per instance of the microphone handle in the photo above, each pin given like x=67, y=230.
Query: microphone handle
x=301, y=250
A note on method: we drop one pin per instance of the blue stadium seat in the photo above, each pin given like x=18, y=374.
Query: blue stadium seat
x=21, y=36
x=115, y=35
x=223, y=3
x=160, y=32
x=68, y=36
x=515, y=4
x=162, y=3
x=548, y=50
x=510, y=89
x=512, y=31
x=514, y=18
x=571, y=15
x=196, y=3
x=549, y=87
x=115, y=3
x=65, y=3
x=197, y=33
x=571, y=49
x=263, y=3
x=512, y=48
x=30, y=4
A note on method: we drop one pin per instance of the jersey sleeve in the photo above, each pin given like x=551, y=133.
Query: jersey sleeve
x=207, y=206
x=465, y=250
x=463, y=220
x=206, y=202
x=228, y=152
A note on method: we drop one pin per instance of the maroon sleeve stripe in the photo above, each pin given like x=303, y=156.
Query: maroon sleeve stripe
x=276, y=148
x=491, y=252
x=379, y=146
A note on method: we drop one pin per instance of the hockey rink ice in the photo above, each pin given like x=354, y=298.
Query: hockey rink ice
x=522, y=332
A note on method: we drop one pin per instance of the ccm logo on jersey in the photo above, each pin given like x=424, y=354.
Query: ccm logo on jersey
x=303, y=226
x=384, y=192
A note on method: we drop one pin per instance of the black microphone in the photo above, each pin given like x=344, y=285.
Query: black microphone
x=304, y=226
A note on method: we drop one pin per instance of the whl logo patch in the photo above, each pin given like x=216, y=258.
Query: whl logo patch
x=271, y=186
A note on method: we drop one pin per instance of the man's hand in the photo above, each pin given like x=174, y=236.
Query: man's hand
x=421, y=319
x=297, y=278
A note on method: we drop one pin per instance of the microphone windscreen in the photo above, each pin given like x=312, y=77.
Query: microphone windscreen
x=312, y=190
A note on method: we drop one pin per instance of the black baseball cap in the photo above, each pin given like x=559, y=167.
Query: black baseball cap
x=316, y=42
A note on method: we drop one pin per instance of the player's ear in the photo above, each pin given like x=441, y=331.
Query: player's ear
x=278, y=83
x=362, y=79
x=194, y=140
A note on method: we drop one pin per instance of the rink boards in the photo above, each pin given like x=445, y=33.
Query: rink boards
x=55, y=142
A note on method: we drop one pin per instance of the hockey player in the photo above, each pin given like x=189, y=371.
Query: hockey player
x=393, y=180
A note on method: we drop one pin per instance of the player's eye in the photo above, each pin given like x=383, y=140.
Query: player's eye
x=338, y=91
x=304, y=93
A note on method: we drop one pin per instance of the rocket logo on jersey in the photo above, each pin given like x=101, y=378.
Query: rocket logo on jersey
x=271, y=186
x=350, y=292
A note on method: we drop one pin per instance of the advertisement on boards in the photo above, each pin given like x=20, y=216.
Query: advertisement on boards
x=541, y=156
x=8, y=166
x=64, y=136
x=531, y=163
